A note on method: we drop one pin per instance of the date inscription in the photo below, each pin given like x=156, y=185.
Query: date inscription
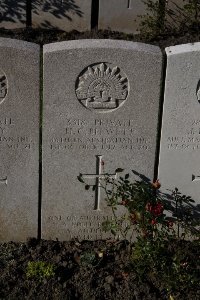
x=189, y=141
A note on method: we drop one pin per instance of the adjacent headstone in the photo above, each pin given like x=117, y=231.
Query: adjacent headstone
x=65, y=15
x=121, y=15
x=19, y=134
x=12, y=14
x=180, y=141
x=175, y=14
x=101, y=100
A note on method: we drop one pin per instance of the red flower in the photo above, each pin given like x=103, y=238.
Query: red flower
x=133, y=218
x=153, y=222
x=155, y=210
x=124, y=202
x=170, y=224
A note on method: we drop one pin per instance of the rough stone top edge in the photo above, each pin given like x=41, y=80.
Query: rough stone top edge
x=18, y=44
x=101, y=44
x=183, y=48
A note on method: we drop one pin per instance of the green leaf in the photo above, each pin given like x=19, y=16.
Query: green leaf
x=126, y=176
x=87, y=187
x=119, y=170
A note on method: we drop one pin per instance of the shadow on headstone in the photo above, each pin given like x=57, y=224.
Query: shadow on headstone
x=64, y=14
x=12, y=14
x=178, y=206
x=48, y=14
x=183, y=208
x=59, y=9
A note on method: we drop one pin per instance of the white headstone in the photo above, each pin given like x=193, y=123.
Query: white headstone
x=180, y=141
x=101, y=100
x=12, y=14
x=65, y=15
x=175, y=14
x=19, y=139
x=121, y=15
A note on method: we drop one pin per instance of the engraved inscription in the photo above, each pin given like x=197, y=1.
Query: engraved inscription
x=99, y=135
x=198, y=91
x=85, y=227
x=8, y=137
x=98, y=176
x=4, y=181
x=3, y=86
x=195, y=178
x=188, y=141
x=129, y=4
x=102, y=87
x=5, y=123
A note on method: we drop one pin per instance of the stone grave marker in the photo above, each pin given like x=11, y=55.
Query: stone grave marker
x=65, y=15
x=180, y=141
x=19, y=134
x=121, y=15
x=12, y=14
x=101, y=100
x=174, y=13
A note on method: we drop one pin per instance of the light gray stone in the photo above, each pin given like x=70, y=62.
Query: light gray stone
x=19, y=134
x=65, y=15
x=115, y=130
x=180, y=141
x=121, y=15
x=12, y=14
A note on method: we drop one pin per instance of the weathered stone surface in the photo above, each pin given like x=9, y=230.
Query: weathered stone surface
x=19, y=134
x=65, y=15
x=121, y=15
x=12, y=14
x=101, y=101
x=180, y=141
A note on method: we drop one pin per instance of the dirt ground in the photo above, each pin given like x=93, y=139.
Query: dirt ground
x=50, y=36
x=85, y=270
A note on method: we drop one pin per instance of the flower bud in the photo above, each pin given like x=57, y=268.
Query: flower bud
x=156, y=184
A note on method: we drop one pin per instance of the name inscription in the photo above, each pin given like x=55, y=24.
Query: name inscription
x=99, y=135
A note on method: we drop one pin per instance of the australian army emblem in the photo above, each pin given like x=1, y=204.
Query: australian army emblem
x=102, y=87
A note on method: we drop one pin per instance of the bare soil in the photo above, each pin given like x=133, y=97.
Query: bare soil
x=42, y=37
x=83, y=270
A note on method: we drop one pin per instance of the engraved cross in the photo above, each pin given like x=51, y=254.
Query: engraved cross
x=195, y=178
x=129, y=6
x=98, y=176
x=4, y=180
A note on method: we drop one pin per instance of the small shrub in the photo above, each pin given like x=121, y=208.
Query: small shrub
x=163, y=20
x=153, y=23
x=162, y=223
x=88, y=258
x=40, y=270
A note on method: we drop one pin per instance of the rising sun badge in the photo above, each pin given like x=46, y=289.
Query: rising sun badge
x=102, y=87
